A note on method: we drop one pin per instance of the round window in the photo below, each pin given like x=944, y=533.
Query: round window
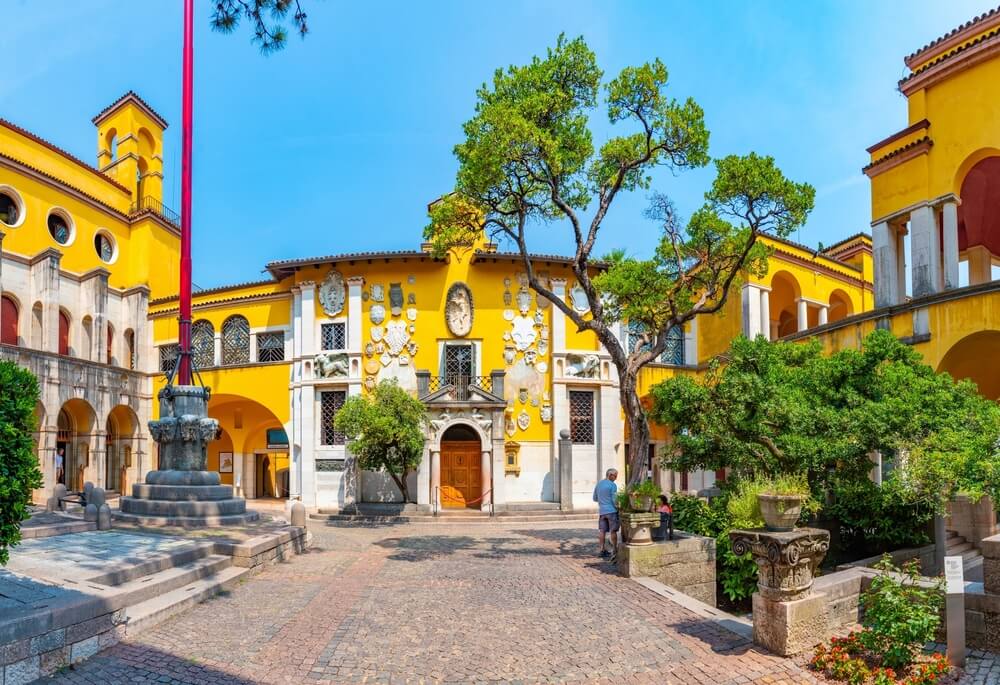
x=105, y=248
x=10, y=208
x=59, y=229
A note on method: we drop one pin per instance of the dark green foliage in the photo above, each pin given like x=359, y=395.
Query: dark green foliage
x=269, y=36
x=19, y=473
x=901, y=615
x=874, y=519
x=385, y=431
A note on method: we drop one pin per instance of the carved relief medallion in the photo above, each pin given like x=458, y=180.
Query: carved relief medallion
x=578, y=298
x=332, y=293
x=396, y=336
x=458, y=310
x=376, y=314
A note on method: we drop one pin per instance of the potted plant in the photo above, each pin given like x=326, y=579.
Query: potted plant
x=781, y=499
x=643, y=496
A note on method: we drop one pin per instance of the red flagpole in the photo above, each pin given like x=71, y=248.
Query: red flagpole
x=184, y=336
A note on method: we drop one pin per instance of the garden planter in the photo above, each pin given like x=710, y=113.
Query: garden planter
x=641, y=503
x=638, y=525
x=780, y=512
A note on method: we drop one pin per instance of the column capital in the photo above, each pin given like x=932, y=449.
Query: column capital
x=356, y=281
x=557, y=283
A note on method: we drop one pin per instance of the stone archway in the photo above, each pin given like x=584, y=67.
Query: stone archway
x=972, y=358
x=122, y=432
x=76, y=425
x=461, y=467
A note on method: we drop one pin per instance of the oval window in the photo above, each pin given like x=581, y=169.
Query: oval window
x=59, y=229
x=10, y=208
x=105, y=248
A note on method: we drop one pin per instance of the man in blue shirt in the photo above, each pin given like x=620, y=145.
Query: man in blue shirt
x=607, y=511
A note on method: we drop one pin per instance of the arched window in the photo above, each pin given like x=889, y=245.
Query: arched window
x=236, y=341
x=63, y=333
x=203, y=344
x=8, y=320
x=11, y=207
x=130, y=348
x=109, y=352
x=88, y=338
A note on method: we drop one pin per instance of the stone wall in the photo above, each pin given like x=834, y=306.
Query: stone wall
x=924, y=554
x=973, y=520
x=30, y=658
x=686, y=563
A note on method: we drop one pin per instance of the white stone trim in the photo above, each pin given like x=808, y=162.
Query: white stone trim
x=114, y=245
x=19, y=201
x=70, y=223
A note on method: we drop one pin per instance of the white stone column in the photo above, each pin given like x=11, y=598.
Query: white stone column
x=485, y=479
x=424, y=479
x=751, y=311
x=217, y=349
x=925, y=248
x=253, y=347
x=296, y=439
x=803, y=314
x=885, y=252
x=824, y=314
x=691, y=343
x=765, y=313
x=436, y=480
x=949, y=236
x=980, y=264
x=355, y=286
x=310, y=437
x=558, y=333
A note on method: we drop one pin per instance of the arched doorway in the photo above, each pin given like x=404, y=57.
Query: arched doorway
x=784, y=304
x=972, y=357
x=979, y=219
x=461, y=468
x=75, y=427
x=121, y=429
x=840, y=306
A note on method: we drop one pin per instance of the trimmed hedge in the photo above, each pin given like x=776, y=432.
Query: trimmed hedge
x=19, y=472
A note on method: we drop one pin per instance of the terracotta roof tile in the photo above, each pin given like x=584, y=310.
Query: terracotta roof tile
x=954, y=32
x=926, y=140
x=130, y=95
x=948, y=55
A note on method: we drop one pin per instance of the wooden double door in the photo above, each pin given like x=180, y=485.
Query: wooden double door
x=461, y=475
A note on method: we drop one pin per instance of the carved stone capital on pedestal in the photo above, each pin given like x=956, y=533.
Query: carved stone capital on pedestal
x=786, y=562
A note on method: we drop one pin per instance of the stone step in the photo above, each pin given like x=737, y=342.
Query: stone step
x=532, y=506
x=454, y=518
x=127, y=572
x=160, y=507
x=162, y=582
x=179, y=493
x=187, y=521
x=149, y=613
x=971, y=554
x=958, y=548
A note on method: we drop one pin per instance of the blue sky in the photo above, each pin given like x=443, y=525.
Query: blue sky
x=337, y=143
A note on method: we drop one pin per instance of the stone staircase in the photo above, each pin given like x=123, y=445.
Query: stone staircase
x=956, y=545
x=516, y=513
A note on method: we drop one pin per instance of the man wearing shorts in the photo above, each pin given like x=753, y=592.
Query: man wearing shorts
x=607, y=511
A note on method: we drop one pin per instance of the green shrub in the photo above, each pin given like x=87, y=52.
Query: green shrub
x=646, y=488
x=693, y=515
x=19, y=473
x=900, y=615
x=876, y=518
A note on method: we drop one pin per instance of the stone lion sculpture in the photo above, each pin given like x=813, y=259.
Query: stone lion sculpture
x=331, y=364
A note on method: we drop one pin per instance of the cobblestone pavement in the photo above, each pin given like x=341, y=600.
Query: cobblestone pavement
x=435, y=604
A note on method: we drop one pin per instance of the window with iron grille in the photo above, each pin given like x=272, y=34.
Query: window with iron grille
x=581, y=416
x=168, y=357
x=203, y=344
x=458, y=363
x=334, y=336
x=330, y=403
x=271, y=346
x=673, y=352
x=236, y=341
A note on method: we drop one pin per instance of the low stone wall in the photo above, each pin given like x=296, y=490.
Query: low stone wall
x=925, y=555
x=686, y=563
x=30, y=658
x=974, y=521
x=265, y=549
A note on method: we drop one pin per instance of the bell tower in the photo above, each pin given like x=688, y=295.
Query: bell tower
x=130, y=147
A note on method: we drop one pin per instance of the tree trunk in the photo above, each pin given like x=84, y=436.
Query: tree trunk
x=638, y=429
x=401, y=484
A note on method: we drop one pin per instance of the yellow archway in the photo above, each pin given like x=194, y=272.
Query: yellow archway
x=245, y=455
x=973, y=358
x=784, y=303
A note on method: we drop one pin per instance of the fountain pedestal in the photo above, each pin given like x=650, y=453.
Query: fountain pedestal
x=182, y=492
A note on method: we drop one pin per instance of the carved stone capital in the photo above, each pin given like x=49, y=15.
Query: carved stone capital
x=786, y=562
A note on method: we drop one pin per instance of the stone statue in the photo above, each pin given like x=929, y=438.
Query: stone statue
x=331, y=364
x=458, y=310
x=582, y=365
x=332, y=294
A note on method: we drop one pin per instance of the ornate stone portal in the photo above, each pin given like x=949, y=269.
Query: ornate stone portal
x=181, y=492
x=787, y=616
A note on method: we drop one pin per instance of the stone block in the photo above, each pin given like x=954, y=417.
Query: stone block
x=23, y=671
x=991, y=575
x=87, y=629
x=787, y=628
x=103, y=517
x=84, y=649
x=90, y=513
x=46, y=642
x=111, y=637
x=15, y=651
x=97, y=497
x=52, y=661
x=298, y=514
x=686, y=564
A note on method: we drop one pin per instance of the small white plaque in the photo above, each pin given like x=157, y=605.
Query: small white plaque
x=954, y=580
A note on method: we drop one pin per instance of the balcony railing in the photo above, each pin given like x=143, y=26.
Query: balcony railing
x=151, y=204
x=462, y=385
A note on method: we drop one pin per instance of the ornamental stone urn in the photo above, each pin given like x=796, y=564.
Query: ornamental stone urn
x=639, y=525
x=788, y=617
x=780, y=512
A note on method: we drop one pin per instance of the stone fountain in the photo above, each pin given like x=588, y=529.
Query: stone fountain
x=181, y=492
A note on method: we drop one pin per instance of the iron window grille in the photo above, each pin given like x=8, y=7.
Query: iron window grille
x=330, y=403
x=203, y=344
x=333, y=336
x=581, y=417
x=168, y=357
x=235, y=341
x=458, y=366
x=271, y=346
x=673, y=352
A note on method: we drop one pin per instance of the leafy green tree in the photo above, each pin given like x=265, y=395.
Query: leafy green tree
x=528, y=162
x=19, y=473
x=385, y=431
x=266, y=17
x=774, y=407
